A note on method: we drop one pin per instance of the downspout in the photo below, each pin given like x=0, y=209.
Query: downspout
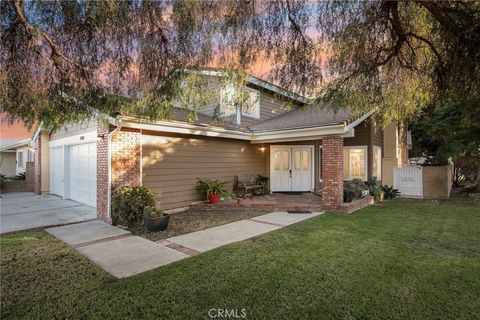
x=109, y=169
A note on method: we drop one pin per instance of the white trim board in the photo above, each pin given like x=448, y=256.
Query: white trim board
x=88, y=137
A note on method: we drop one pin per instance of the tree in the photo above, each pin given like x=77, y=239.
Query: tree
x=450, y=131
x=395, y=57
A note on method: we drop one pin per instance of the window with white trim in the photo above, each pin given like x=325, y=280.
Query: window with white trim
x=20, y=159
x=227, y=100
x=377, y=162
x=355, y=163
x=251, y=106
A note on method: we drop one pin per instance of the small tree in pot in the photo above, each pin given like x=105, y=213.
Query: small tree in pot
x=214, y=190
x=155, y=219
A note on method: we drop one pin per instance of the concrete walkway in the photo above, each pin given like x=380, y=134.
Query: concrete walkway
x=122, y=255
x=24, y=210
x=116, y=250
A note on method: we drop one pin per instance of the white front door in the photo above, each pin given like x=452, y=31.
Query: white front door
x=56, y=170
x=280, y=169
x=301, y=169
x=83, y=173
x=291, y=168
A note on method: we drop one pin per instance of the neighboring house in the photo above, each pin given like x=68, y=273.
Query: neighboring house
x=14, y=157
x=275, y=133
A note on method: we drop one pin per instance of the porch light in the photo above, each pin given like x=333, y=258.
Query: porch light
x=262, y=149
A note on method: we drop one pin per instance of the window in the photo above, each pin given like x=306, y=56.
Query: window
x=306, y=160
x=251, y=106
x=377, y=162
x=355, y=163
x=227, y=100
x=20, y=159
x=282, y=160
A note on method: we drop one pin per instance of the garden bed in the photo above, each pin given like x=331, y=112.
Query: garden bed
x=194, y=220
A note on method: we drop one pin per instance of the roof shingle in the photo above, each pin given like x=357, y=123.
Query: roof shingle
x=305, y=117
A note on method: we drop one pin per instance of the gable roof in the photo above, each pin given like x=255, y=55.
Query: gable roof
x=252, y=80
x=304, y=117
x=11, y=145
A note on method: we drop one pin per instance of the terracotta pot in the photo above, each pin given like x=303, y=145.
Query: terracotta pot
x=214, y=198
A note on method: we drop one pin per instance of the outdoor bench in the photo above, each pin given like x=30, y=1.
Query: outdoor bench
x=246, y=183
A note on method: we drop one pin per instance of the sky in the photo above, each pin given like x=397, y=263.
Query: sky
x=13, y=132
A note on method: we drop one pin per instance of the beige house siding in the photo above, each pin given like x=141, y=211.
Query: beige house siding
x=377, y=136
x=72, y=129
x=172, y=163
x=270, y=106
x=8, y=163
x=362, y=136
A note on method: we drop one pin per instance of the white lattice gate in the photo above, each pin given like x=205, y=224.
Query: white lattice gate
x=408, y=180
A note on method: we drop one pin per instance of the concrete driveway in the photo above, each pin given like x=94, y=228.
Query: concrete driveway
x=24, y=210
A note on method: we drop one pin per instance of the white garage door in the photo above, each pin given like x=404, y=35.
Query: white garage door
x=57, y=170
x=83, y=173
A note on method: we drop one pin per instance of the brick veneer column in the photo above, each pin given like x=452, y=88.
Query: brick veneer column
x=102, y=173
x=126, y=158
x=332, y=170
x=38, y=160
x=126, y=166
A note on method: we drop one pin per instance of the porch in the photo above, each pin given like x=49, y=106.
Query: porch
x=272, y=202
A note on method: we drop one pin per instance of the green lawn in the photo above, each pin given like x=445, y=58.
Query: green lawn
x=398, y=259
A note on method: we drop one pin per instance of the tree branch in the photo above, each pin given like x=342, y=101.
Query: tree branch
x=295, y=25
x=429, y=43
x=33, y=30
x=435, y=11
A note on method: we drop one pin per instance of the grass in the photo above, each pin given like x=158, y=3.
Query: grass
x=194, y=220
x=397, y=259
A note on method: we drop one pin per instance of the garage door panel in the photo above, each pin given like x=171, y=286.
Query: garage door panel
x=83, y=173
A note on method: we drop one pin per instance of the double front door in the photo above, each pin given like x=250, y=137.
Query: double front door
x=291, y=168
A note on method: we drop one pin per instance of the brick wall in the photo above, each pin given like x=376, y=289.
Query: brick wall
x=126, y=158
x=332, y=170
x=37, y=184
x=355, y=205
x=102, y=173
x=126, y=164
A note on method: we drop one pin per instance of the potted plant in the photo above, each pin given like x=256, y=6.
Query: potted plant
x=214, y=190
x=155, y=219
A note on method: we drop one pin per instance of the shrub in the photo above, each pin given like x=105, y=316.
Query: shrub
x=374, y=188
x=359, y=186
x=152, y=212
x=353, y=190
x=389, y=192
x=207, y=187
x=128, y=204
x=348, y=192
x=20, y=176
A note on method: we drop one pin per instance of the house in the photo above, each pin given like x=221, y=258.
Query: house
x=273, y=132
x=14, y=156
